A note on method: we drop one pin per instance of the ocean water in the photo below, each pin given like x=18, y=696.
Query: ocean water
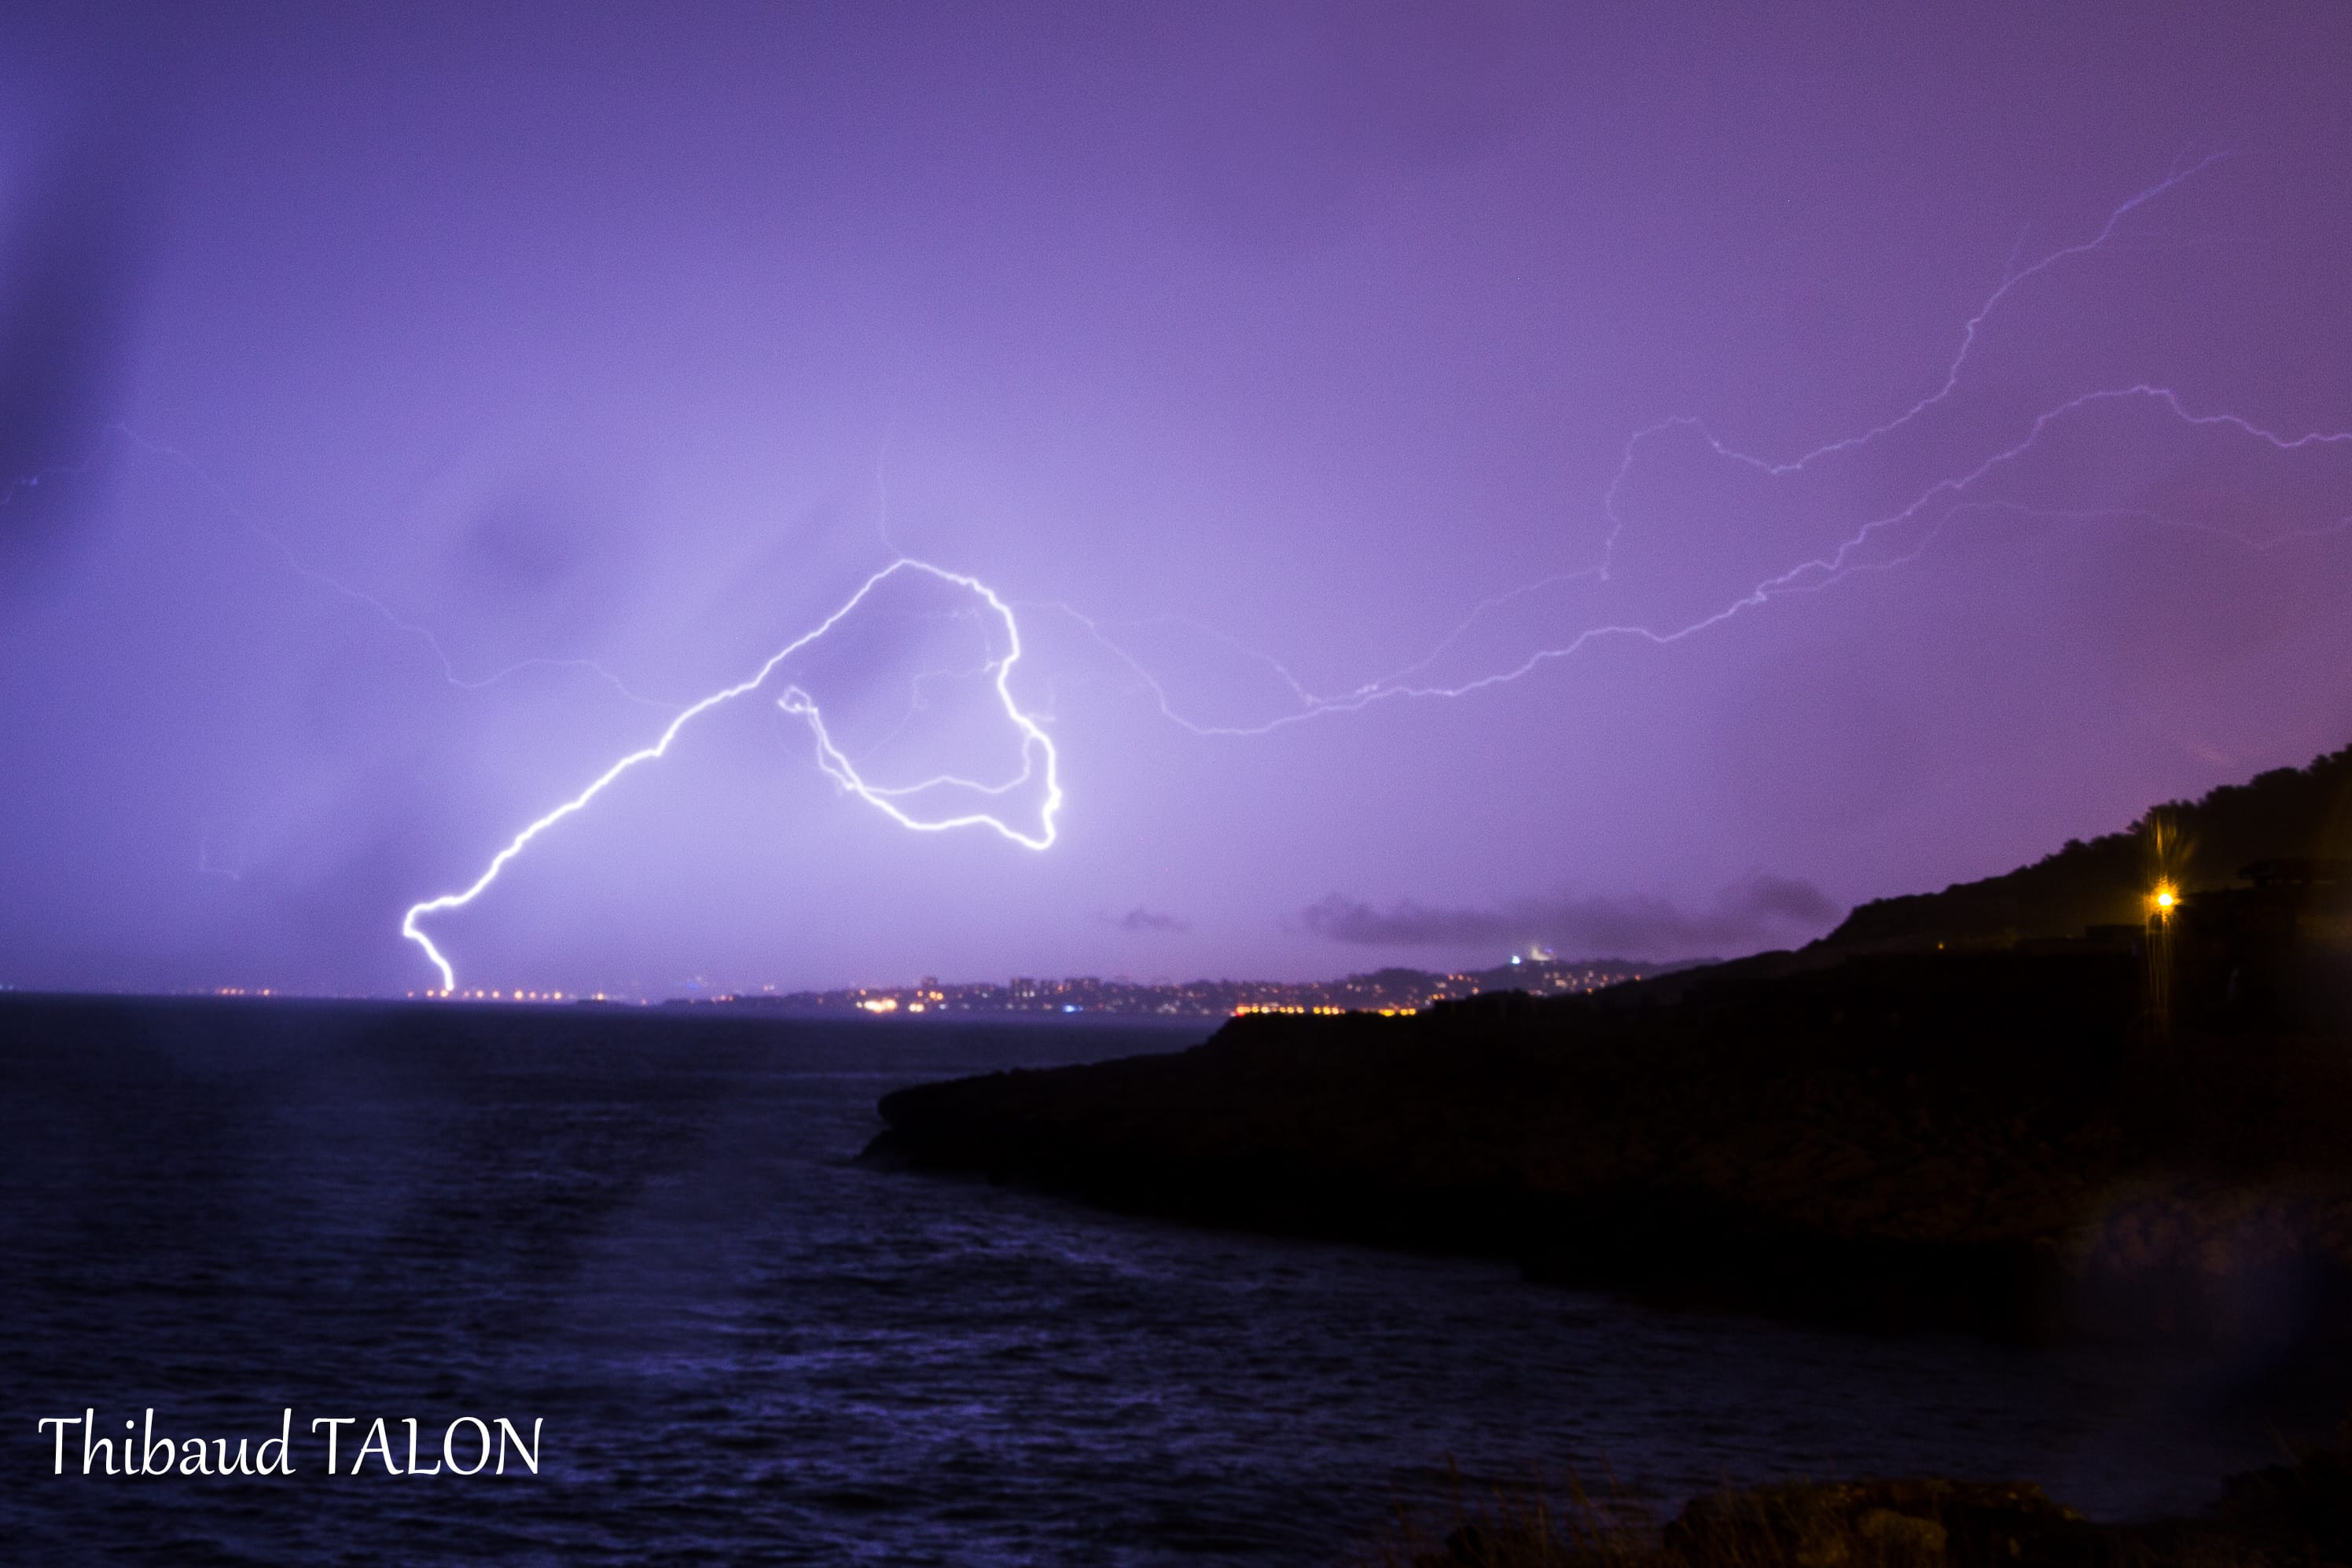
x=651, y=1234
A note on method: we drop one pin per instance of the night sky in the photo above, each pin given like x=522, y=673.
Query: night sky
x=1825, y=454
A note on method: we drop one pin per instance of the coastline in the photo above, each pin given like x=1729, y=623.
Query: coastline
x=1983, y=1142
x=2299, y=1512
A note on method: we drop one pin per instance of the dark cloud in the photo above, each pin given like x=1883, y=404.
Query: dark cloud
x=1140, y=919
x=73, y=258
x=1283, y=143
x=1757, y=911
x=525, y=543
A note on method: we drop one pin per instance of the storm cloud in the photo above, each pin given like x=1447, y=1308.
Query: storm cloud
x=73, y=263
x=1755, y=912
x=1280, y=367
x=1140, y=921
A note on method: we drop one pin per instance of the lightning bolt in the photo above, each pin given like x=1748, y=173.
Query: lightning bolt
x=2012, y=277
x=946, y=801
x=1849, y=557
x=1038, y=758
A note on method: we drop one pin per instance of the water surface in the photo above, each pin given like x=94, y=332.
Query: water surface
x=651, y=1233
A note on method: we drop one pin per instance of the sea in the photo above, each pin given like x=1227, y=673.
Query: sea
x=646, y=1234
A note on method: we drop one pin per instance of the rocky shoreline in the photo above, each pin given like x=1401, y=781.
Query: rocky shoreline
x=2296, y=1514
x=1990, y=1141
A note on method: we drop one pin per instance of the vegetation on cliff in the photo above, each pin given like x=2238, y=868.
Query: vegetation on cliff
x=2286, y=812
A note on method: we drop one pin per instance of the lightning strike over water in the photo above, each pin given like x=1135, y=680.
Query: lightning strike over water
x=1038, y=760
x=946, y=801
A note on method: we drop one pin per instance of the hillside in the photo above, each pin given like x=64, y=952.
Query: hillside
x=1989, y=1136
x=2285, y=813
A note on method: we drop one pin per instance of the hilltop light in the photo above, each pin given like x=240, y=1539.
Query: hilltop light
x=2165, y=898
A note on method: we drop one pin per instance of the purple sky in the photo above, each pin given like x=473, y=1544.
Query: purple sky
x=1246, y=352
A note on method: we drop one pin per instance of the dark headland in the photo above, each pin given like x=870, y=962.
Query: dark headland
x=2035, y=1106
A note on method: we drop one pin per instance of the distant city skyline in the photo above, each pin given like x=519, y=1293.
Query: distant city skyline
x=1399, y=987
